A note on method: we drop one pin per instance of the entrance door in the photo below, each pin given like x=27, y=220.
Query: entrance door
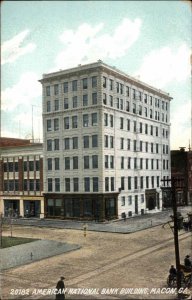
x=136, y=205
x=151, y=203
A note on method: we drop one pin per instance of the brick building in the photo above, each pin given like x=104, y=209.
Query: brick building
x=21, y=178
x=181, y=168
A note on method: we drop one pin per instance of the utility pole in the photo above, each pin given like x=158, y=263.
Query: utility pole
x=173, y=182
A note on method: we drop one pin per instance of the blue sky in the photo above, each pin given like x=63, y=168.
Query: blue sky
x=150, y=40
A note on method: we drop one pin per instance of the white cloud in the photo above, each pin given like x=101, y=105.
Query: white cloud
x=165, y=65
x=23, y=92
x=13, y=49
x=90, y=43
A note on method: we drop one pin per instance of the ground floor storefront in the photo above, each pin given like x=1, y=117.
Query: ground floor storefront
x=24, y=206
x=64, y=206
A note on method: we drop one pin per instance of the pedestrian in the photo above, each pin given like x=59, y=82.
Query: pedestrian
x=172, y=273
x=187, y=262
x=60, y=289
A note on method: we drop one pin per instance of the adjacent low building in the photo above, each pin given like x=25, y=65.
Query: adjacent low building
x=106, y=143
x=21, y=178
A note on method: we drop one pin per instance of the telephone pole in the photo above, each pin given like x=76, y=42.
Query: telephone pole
x=174, y=186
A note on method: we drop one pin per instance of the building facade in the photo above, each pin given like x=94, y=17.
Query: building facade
x=181, y=168
x=106, y=143
x=21, y=178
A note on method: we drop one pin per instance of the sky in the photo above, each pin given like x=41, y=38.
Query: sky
x=149, y=40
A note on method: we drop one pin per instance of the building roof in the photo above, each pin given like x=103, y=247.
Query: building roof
x=109, y=69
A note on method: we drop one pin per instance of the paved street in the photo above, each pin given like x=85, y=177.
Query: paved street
x=105, y=260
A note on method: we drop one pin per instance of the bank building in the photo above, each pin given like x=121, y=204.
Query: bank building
x=106, y=139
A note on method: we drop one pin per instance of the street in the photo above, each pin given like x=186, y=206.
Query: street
x=104, y=261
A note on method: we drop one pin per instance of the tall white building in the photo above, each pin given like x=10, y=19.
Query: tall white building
x=106, y=143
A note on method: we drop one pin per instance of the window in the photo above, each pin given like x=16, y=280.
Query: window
x=94, y=119
x=112, y=162
x=151, y=129
x=56, y=104
x=94, y=161
x=141, y=182
x=146, y=128
x=67, y=184
x=140, y=127
x=122, y=162
x=128, y=124
x=95, y=184
x=128, y=144
x=66, y=144
x=134, y=126
x=121, y=104
x=85, y=100
x=49, y=145
x=112, y=184
x=110, y=84
x=134, y=108
x=147, y=163
x=111, y=142
x=95, y=140
x=106, y=161
x=84, y=83
x=157, y=132
x=94, y=98
x=111, y=100
x=94, y=81
x=151, y=114
x=105, y=119
x=75, y=142
x=74, y=85
x=157, y=148
x=151, y=147
x=104, y=98
x=57, y=167
x=87, y=184
x=117, y=87
x=152, y=181
x=106, y=138
x=129, y=200
x=145, y=98
x=152, y=163
x=122, y=143
x=157, y=164
x=57, y=184
x=67, y=163
x=157, y=181
x=146, y=146
x=49, y=125
x=74, y=122
x=122, y=183
x=31, y=184
x=127, y=91
x=121, y=123
x=106, y=184
x=140, y=110
x=75, y=184
x=48, y=106
x=141, y=146
x=65, y=87
x=104, y=82
x=133, y=93
x=147, y=182
x=56, y=89
x=117, y=102
x=74, y=99
x=86, y=162
x=49, y=164
x=134, y=145
x=86, y=141
x=56, y=124
x=141, y=163
x=75, y=162
x=48, y=91
x=66, y=123
x=123, y=201
x=66, y=103
x=56, y=144
x=111, y=121
x=50, y=183
x=31, y=165
x=146, y=112
x=85, y=120
x=135, y=183
x=37, y=184
x=127, y=106
x=135, y=163
x=129, y=162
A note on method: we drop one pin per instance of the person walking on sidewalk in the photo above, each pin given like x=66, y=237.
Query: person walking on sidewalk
x=60, y=289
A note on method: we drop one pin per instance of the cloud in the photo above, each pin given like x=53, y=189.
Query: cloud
x=23, y=92
x=13, y=49
x=165, y=65
x=90, y=43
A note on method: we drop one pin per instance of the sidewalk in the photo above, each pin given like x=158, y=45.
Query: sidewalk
x=116, y=226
